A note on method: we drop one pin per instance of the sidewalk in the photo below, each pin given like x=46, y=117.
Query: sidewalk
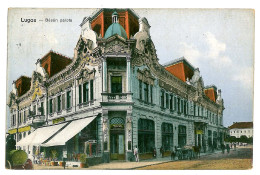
x=119, y=165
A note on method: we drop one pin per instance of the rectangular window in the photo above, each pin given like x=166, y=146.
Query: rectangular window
x=34, y=110
x=68, y=99
x=162, y=99
x=175, y=103
x=202, y=111
x=51, y=106
x=85, y=92
x=24, y=116
x=151, y=93
x=140, y=90
x=171, y=99
x=146, y=92
x=59, y=103
x=167, y=100
x=194, y=106
x=42, y=108
x=80, y=94
x=116, y=84
x=181, y=106
x=19, y=117
x=185, y=108
x=92, y=90
x=178, y=105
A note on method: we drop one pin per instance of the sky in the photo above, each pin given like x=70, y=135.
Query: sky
x=219, y=42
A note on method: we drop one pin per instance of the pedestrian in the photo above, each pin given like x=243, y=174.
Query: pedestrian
x=136, y=154
x=162, y=151
x=172, y=155
x=223, y=148
x=154, y=152
x=228, y=148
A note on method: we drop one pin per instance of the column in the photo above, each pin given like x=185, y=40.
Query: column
x=106, y=146
x=128, y=74
x=128, y=136
x=104, y=74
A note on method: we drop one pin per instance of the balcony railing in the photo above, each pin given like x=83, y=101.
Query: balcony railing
x=36, y=119
x=117, y=97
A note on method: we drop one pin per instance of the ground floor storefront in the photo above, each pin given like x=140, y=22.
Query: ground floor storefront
x=113, y=135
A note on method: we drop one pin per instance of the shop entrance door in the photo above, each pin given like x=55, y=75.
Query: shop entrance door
x=117, y=146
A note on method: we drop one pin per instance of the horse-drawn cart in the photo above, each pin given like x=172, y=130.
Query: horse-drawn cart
x=185, y=153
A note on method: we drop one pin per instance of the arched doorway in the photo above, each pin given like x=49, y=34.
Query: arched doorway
x=117, y=138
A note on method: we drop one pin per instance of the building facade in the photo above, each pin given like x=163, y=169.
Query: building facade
x=239, y=129
x=114, y=95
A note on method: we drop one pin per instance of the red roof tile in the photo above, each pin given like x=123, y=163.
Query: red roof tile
x=180, y=69
x=211, y=93
x=241, y=125
x=54, y=62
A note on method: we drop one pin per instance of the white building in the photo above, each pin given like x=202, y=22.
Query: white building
x=239, y=129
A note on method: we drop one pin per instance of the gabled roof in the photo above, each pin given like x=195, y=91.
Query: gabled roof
x=241, y=125
x=180, y=68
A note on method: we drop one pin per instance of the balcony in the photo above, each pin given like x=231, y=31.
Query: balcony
x=117, y=97
x=201, y=119
x=35, y=120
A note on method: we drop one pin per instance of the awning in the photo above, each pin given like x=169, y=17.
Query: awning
x=68, y=132
x=40, y=135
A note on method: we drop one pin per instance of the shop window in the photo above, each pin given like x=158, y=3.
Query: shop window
x=182, y=135
x=116, y=84
x=167, y=136
x=146, y=136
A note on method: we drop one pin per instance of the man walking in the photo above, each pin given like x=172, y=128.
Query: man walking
x=136, y=154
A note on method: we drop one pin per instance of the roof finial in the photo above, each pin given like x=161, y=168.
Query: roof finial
x=115, y=17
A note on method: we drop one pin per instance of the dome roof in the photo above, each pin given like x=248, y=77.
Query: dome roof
x=115, y=28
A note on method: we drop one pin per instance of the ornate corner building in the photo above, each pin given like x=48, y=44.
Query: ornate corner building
x=114, y=95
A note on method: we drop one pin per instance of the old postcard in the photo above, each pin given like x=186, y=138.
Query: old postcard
x=130, y=89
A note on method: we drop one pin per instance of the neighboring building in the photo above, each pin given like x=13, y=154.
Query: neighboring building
x=239, y=129
x=114, y=95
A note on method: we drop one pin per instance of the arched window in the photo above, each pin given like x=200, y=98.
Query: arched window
x=117, y=123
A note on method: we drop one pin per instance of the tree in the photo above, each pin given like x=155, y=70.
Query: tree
x=250, y=140
x=10, y=143
x=232, y=139
x=243, y=139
